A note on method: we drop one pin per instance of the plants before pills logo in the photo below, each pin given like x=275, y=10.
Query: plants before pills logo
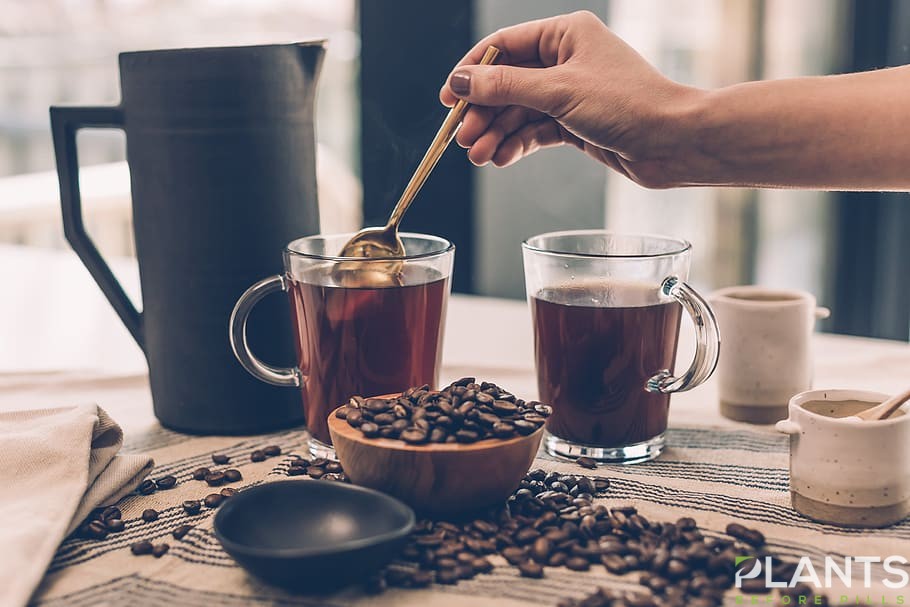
x=853, y=572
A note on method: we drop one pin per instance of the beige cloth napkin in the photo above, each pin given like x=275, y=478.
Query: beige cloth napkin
x=56, y=465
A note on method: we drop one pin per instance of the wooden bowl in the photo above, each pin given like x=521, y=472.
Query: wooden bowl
x=436, y=478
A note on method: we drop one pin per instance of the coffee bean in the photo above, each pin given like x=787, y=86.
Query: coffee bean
x=414, y=436
x=753, y=537
x=525, y=427
x=149, y=515
x=466, y=436
x=514, y=555
x=181, y=531
x=213, y=500
x=147, y=487
x=333, y=467
x=96, y=530
x=369, y=429
x=110, y=512
x=220, y=458
x=354, y=418
x=192, y=506
x=319, y=462
x=160, y=550
x=166, y=482
x=228, y=492
x=296, y=470
x=256, y=456
x=213, y=479
x=447, y=576
x=586, y=462
x=530, y=569
x=540, y=550
x=272, y=451
x=115, y=525
x=315, y=472
x=232, y=475
x=141, y=548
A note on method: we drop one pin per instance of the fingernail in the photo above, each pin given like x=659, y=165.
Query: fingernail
x=460, y=83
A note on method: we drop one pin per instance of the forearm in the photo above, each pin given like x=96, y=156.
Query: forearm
x=849, y=132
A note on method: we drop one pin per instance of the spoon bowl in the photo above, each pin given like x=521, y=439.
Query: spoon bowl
x=375, y=242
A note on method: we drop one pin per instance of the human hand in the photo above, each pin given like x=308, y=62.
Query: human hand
x=568, y=79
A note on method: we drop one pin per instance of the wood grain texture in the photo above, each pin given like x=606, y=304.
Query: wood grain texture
x=447, y=478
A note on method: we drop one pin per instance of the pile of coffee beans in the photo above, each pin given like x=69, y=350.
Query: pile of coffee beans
x=463, y=412
x=318, y=468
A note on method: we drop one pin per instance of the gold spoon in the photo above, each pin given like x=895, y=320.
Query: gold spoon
x=384, y=241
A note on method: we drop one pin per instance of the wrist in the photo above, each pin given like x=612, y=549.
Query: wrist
x=678, y=154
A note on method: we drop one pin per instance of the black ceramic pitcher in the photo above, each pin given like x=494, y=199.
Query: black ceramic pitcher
x=221, y=150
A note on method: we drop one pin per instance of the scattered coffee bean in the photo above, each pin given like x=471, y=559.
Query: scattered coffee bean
x=149, y=515
x=192, y=506
x=180, y=532
x=272, y=451
x=166, y=482
x=115, y=525
x=232, y=475
x=257, y=456
x=296, y=470
x=458, y=413
x=228, y=492
x=97, y=530
x=752, y=537
x=220, y=459
x=147, y=487
x=141, y=548
x=111, y=512
x=213, y=479
x=160, y=550
x=213, y=500
x=586, y=462
x=530, y=569
x=315, y=472
x=199, y=474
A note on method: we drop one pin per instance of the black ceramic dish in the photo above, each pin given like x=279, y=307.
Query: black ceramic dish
x=312, y=536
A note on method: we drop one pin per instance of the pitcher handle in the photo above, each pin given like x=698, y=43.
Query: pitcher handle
x=65, y=122
x=277, y=376
x=707, y=340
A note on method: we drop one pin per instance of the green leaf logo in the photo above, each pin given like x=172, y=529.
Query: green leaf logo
x=741, y=559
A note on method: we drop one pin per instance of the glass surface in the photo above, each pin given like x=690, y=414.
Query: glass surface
x=606, y=314
x=359, y=334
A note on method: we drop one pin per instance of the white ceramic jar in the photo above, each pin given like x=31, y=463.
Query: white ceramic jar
x=766, y=354
x=844, y=470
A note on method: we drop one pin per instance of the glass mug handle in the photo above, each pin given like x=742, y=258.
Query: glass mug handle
x=278, y=376
x=707, y=338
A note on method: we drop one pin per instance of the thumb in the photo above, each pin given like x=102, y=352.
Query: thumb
x=498, y=85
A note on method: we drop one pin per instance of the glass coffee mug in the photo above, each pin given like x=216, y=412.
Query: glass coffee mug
x=606, y=310
x=362, y=326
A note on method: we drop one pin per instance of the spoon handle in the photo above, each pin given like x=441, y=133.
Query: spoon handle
x=441, y=141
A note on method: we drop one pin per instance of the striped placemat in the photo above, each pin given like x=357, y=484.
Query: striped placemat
x=716, y=475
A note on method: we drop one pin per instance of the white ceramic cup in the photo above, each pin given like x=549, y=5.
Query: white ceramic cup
x=766, y=354
x=844, y=470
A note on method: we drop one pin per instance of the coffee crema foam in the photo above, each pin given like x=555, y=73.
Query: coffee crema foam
x=604, y=294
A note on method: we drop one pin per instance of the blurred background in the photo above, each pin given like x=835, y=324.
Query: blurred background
x=378, y=110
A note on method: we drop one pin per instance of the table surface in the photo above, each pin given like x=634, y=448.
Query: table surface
x=61, y=344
